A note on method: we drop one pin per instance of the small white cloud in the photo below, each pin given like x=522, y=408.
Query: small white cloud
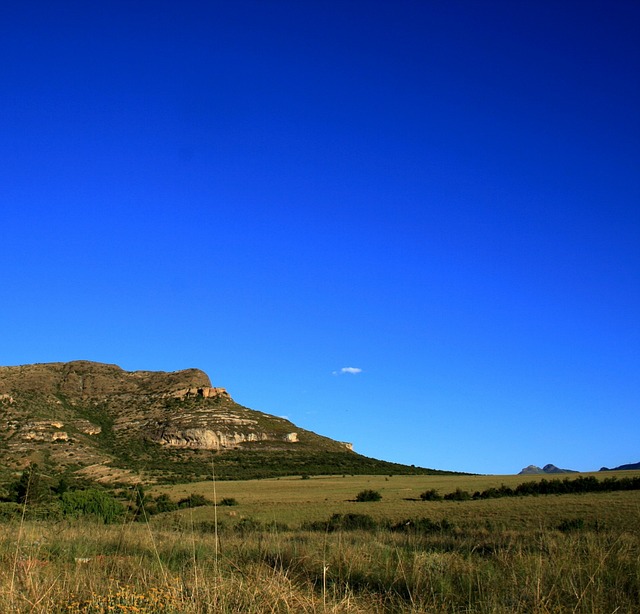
x=350, y=370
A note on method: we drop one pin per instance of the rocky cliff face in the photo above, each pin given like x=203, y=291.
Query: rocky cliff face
x=207, y=439
x=82, y=379
x=84, y=414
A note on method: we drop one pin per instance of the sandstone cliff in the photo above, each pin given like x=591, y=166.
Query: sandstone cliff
x=82, y=379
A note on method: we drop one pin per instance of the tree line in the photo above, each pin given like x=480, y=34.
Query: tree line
x=581, y=484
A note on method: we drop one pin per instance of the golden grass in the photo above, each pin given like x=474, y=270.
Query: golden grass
x=502, y=556
x=75, y=568
x=293, y=501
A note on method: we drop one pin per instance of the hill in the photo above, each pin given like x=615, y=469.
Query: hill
x=547, y=469
x=627, y=467
x=98, y=421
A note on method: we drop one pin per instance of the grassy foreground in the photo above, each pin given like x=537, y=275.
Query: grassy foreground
x=566, y=553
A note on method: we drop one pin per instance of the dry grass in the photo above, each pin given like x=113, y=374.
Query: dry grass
x=500, y=556
x=293, y=501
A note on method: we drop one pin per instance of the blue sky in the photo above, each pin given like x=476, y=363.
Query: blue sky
x=442, y=197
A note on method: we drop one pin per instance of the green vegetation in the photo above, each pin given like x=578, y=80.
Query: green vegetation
x=91, y=502
x=368, y=495
x=33, y=495
x=581, y=484
x=431, y=495
x=457, y=495
x=228, y=502
x=194, y=500
x=252, y=464
x=343, y=522
x=29, y=487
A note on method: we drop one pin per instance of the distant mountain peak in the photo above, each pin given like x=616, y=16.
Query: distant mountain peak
x=547, y=469
x=627, y=467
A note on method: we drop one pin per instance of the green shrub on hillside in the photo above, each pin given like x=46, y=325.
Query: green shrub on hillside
x=165, y=504
x=29, y=487
x=91, y=502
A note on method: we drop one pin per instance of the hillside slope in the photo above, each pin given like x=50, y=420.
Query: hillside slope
x=99, y=421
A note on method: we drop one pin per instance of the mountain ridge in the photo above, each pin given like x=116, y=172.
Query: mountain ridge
x=625, y=467
x=552, y=469
x=547, y=469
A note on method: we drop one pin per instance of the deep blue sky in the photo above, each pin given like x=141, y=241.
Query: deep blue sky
x=443, y=195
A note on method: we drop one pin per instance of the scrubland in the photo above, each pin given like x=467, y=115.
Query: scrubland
x=306, y=545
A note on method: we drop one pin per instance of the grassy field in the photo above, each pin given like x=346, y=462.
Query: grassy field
x=292, y=501
x=536, y=554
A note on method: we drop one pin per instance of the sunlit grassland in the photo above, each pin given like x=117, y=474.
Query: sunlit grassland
x=293, y=501
x=497, y=556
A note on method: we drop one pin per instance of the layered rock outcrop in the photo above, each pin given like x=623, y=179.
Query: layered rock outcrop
x=206, y=392
x=83, y=379
x=207, y=439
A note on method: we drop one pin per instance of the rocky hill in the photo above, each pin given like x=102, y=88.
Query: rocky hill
x=99, y=421
x=626, y=467
x=547, y=469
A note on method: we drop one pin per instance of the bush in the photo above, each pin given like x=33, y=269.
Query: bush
x=228, y=501
x=458, y=495
x=571, y=524
x=351, y=522
x=431, y=495
x=29, y=488
x=248, y=525
x=10, y=511
x=368, y=495
x=91, y=502
x=165, y=504
x=208, y=526
x=343, y=522
x=194, y=500
x=421, y=525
